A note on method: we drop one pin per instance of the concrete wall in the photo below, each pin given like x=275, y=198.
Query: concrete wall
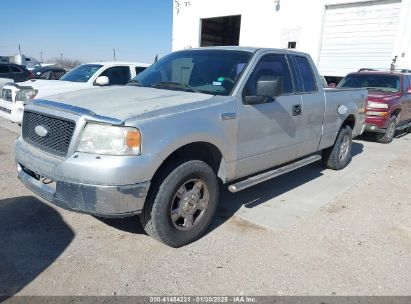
x=267, y=24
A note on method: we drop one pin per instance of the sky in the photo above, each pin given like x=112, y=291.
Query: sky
x=87, y=30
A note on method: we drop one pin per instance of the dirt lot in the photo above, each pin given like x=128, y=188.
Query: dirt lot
x=357, y=244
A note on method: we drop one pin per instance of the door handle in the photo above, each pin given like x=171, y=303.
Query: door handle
x=297, y=109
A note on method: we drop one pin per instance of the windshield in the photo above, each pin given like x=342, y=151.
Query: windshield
x=207, y=71
x=82, y=73
x=387, y=83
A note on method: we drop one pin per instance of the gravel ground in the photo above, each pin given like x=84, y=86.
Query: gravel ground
x=360, y=244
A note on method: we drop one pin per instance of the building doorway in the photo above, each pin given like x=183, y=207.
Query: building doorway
x=220, y=31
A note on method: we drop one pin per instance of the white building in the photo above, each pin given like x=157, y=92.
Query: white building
x=341, y=35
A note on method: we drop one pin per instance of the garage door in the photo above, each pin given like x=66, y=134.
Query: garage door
x=360, y=35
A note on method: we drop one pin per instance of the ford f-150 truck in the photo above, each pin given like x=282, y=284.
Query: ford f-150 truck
x=91, y=75
x=389, y=100
x=161, y=146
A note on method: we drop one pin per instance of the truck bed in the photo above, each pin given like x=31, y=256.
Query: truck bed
x=340, y=100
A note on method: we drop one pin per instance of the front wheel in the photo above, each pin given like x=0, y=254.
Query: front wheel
x=388, y=135
x=182, y=204
x=339, y=156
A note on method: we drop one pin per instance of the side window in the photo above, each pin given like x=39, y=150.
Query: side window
x=139, y=70
x=117, y=75
x=270, y=66
x=4, y=69
x=16, y=69
x=59, y=74
x=406, y=83
x=307, y=75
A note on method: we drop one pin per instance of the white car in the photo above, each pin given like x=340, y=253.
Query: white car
x=97, y=74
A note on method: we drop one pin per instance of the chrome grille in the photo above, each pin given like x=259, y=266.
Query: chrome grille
x=6, y=94
x=58, y=132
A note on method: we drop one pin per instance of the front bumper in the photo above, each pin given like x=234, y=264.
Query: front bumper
x=376, y=123
x=103, y=187
x=104, y=201
x=374, y=128
x=12, y=111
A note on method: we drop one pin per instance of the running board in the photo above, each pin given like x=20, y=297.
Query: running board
x=256, y=179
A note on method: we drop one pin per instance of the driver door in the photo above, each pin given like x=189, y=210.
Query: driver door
x=268, y=132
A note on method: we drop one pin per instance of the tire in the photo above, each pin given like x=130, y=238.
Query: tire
x=338, y=156
x=182, y=203
x=388, y=135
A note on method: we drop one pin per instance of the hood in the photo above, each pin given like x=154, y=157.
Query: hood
x=124, y=102
x=381, y=96
x=48, y=87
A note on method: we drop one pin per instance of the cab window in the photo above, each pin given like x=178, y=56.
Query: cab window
x=307, y=74
x=119, y=75
x=139, y=70
x=270, y=66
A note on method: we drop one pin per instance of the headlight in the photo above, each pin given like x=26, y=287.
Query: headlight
x=373, y=113
x=376, y=105
x=26, y=94
x=110, y=140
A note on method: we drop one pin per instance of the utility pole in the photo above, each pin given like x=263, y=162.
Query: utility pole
x=61, y=58
x=114, y=54
x=41, y=57
x=20, y=61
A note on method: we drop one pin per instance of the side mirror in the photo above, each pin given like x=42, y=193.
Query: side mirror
x=267, y=88
x=102, y=81
x=332, y=85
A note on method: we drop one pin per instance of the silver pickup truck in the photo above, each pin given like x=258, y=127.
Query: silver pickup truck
x=161, y=146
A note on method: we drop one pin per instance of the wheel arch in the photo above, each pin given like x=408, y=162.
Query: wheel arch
x=349, y=121
x=198, y=150
x=396, y=112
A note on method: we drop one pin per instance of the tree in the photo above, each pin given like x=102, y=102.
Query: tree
x=66, y=62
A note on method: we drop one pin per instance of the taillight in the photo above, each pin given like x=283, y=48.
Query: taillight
x=31, y=76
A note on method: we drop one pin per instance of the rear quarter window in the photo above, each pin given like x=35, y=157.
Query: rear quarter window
x=307, y=74
x=16, y=69
x=139, y=70
x=4, y=69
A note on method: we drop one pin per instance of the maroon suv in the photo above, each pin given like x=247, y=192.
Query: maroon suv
x=389, y=100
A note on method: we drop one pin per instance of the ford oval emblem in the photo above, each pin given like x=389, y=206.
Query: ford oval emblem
x=41, y=131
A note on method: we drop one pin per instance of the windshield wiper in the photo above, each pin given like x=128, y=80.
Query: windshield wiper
x=175, y=85
x=134, y=82
x=392, y=90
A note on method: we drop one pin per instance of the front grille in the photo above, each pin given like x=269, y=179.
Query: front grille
x=58, y=132
x=6, y=94
x=5, y=110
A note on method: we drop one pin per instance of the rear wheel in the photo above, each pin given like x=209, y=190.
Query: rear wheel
x=182, y=204
x=339, y=156
x=388, y=135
